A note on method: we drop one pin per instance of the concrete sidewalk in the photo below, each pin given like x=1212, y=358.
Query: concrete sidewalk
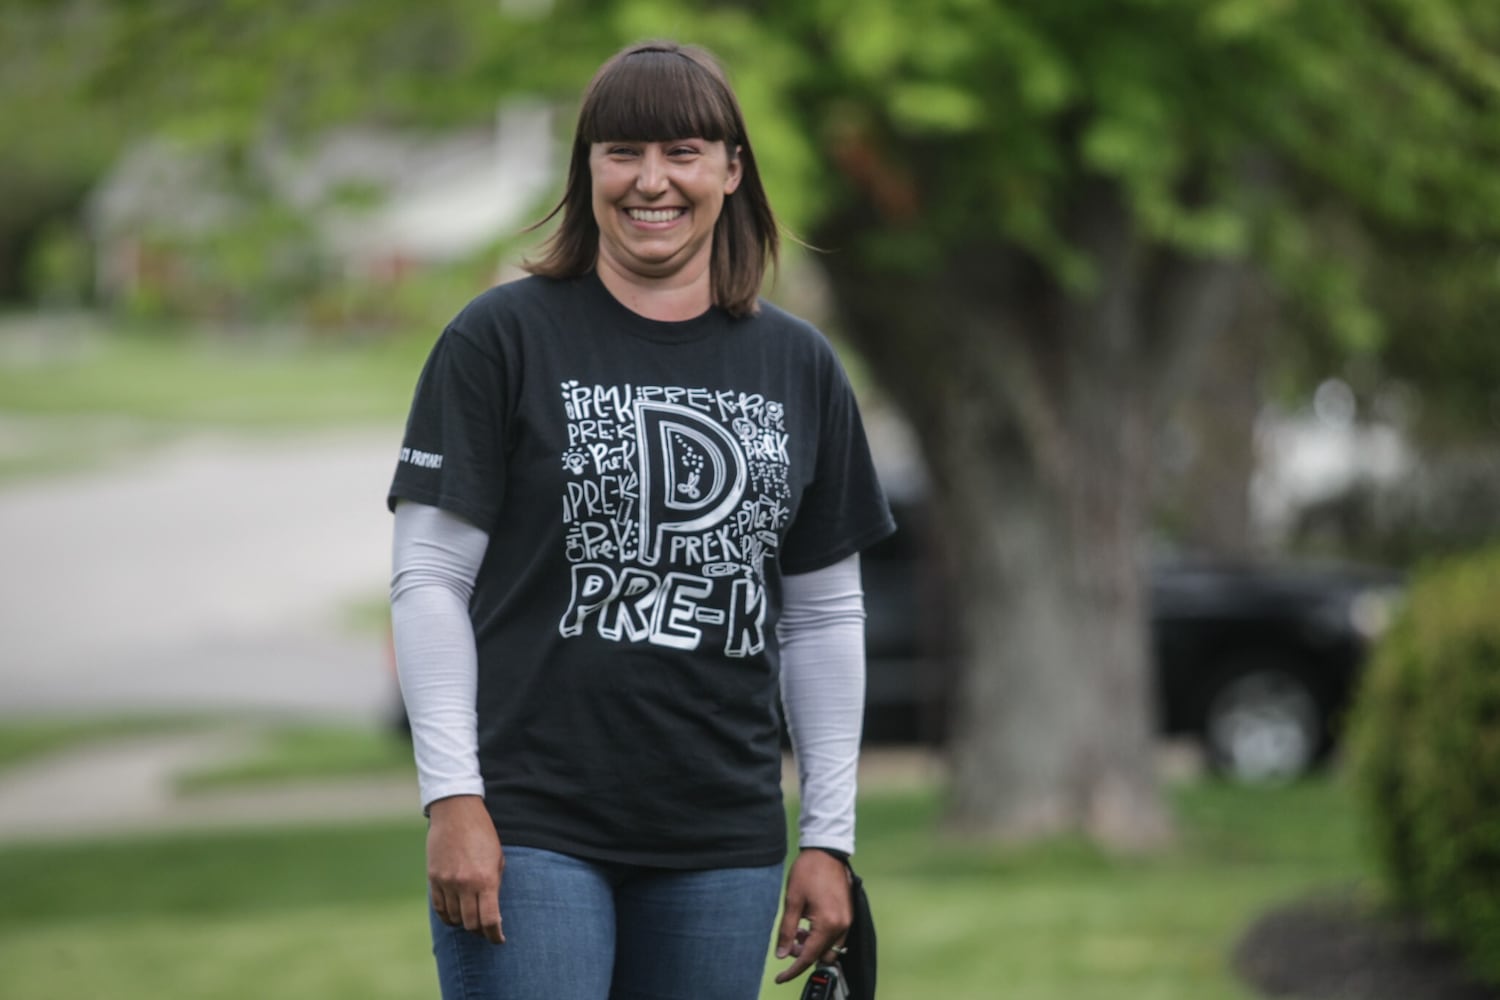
x=213, y=574
x=124, y=786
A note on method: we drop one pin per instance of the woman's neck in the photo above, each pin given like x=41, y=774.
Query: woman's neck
x=686, y=294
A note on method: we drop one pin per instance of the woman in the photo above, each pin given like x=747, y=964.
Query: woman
x=630, y=497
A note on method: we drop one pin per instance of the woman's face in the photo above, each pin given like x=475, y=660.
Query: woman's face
x=656, y=203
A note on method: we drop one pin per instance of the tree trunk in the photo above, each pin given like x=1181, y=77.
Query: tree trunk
x=1036, y=414
x=1204, y=490
x=1051, y=730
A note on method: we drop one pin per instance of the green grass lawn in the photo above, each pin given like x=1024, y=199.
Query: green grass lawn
x=124, y=392
x=337, y=912
x=219, y=382
x=283, y=753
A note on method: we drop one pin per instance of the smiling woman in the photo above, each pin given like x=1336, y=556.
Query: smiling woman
x=597, y=691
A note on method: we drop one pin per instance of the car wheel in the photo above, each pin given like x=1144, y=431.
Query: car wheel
x=1263, y=725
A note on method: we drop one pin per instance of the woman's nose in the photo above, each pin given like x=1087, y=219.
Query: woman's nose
x=652, y=177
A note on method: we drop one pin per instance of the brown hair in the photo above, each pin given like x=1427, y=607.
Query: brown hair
x=655, y=92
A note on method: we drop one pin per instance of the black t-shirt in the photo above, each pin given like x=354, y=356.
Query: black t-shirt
x=645, y=486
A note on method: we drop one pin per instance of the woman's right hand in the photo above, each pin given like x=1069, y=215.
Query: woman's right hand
x=464, y=864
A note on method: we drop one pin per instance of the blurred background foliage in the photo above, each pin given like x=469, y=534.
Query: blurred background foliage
x=1168, y=97
x=1344, y=146
x=1056, y=231
x=1333, y=162
x=1426, y=755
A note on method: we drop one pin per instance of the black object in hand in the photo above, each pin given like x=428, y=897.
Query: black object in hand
x=826, y=983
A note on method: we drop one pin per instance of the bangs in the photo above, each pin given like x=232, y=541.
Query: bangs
x=656, y=96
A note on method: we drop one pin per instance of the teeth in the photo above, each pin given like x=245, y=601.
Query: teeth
x=654, y=214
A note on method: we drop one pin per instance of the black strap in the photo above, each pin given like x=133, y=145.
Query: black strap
x=858, y=962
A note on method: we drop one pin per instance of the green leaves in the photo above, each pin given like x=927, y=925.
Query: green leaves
x=983, y=117
x=1426, y=755
x=1232, y=20
x=920, y=108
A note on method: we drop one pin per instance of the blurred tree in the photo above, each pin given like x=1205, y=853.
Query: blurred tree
x=1438, y=299
x=1206, y=451
x=53, y=144
x=1037, y=217
x=1435, y=376
x=85, y=79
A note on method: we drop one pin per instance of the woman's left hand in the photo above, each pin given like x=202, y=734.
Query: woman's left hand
x=817, y=893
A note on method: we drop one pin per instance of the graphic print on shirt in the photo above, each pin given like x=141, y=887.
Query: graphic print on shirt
x=675, y=499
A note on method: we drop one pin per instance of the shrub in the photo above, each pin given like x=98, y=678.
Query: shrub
x=1425, y=747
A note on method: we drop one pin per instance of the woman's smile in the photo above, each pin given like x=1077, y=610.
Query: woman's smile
x=656, y=215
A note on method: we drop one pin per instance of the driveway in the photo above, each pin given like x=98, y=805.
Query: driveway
x=217, y=573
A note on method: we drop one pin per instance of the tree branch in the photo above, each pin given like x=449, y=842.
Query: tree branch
x=1193, y=300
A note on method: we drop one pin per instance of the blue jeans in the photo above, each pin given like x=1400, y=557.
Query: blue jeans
x=584, y=930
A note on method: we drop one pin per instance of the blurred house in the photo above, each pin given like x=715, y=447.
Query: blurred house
x=176, y=222
x=1310, y=460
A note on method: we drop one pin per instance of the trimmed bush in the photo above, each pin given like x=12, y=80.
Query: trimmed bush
x=1425, y=750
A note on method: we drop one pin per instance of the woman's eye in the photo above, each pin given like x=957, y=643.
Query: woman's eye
x=684, y=151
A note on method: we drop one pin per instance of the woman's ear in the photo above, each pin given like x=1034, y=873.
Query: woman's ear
x=736, y=170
